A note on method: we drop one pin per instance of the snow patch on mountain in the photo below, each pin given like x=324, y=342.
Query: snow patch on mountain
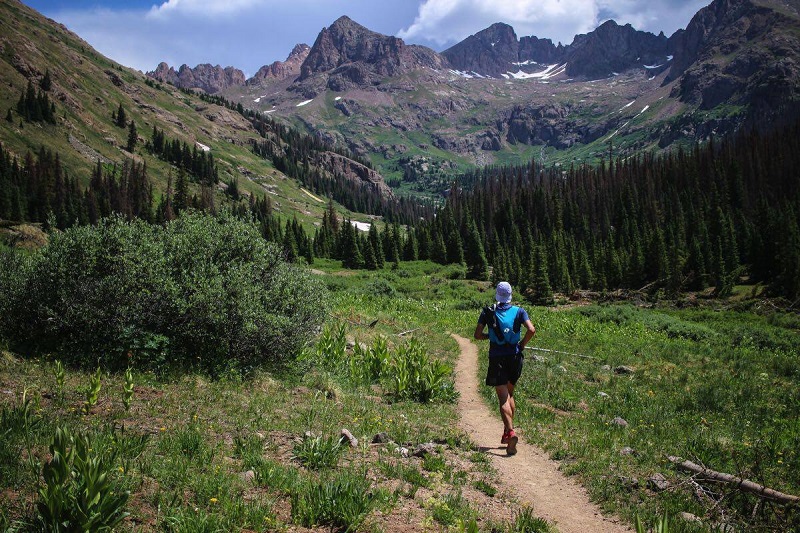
x=550, y=72
x=643, y=110
x=361, y=226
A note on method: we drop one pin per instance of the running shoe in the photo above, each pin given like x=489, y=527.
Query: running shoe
x=504, y=439
x=511, y=446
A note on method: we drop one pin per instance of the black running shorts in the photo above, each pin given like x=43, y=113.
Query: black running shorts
x=504, y=369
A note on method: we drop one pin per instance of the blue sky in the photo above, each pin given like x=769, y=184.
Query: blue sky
x=250, y=33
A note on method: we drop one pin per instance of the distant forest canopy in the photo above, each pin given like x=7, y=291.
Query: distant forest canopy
x=687, y=220
x=679, y=221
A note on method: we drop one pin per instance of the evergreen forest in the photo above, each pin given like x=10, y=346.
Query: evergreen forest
x=687, y=220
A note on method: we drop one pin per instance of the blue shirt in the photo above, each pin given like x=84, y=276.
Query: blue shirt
x=504, y=349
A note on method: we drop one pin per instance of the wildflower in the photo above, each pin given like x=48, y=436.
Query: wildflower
x=163, y=428
x=213, y=500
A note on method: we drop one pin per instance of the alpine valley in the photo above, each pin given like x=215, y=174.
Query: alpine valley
x=232, y=304
x=497, y=98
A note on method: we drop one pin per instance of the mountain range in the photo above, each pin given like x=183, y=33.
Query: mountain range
x=406, y=114
x=496, y=97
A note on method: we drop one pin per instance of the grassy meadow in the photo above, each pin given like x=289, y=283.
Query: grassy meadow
x=262, y=451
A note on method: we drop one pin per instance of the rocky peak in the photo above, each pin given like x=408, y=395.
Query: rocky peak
x=362, y=54
x=164, y=73
x=541, y=51
x=739, y=51
x=281, y=70
x=609, y=48
x=206, y=77
x=613, y=48
x=490, y=52
x=716, y=23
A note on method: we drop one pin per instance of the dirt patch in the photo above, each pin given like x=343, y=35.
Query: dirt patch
x=530, y=475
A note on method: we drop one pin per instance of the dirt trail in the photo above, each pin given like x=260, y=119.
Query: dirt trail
x=534, y=478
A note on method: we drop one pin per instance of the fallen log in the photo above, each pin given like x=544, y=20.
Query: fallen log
x=742, y=484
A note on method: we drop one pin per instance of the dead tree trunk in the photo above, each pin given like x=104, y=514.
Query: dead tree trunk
x=742, y=484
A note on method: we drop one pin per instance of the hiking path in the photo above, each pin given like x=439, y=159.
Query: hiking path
x=530, y=475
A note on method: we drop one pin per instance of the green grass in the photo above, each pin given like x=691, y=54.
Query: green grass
x=201, y=454
x=718, y=387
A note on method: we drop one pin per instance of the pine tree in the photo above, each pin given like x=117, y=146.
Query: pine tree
x=181, y=200
x=133, y=137
x=455, y=249
x=438, y=249
x=289, y=244
x=787, y=279
x=121, y=120
x=541, y=292
x=370, y=257
x=374, y=240
x=474, y=255
x=411, y=248
x=46, y=82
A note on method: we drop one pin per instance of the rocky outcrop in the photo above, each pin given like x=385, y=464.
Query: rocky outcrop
x=496, y=51
x=282, y=70
x=350, y=54
x=356, y=172
x=739, y=52
x=491, y=52
x=211, y=79
x=541, y=51
x=609, y=49
x=612, y=48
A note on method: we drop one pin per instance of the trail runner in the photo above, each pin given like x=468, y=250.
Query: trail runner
x=506, y=347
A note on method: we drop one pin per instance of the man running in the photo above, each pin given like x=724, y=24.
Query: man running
x=505, y=354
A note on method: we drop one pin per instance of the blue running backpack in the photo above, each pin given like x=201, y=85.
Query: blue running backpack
x=503, y=326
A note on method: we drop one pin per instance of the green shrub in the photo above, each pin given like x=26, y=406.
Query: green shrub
x=199, y=291
x=434, y=463
x=380, y=287
x=330, y=349
x=341, y=502
x=18, y=426
x=486, y=488
x=367, y=365
x=79, y=493
x=456, y=271
x=274, y=475
x=317, y=452
x=412, y=375
x=188, y=520
x=451, y=508
x=527, y=522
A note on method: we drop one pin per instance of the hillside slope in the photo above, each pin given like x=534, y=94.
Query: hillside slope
x=86, y=90
x=496, y=98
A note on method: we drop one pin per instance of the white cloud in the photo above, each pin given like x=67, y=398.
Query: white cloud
x=201, y=7
x=449, y=21
x=250, y=33
x=446, y=22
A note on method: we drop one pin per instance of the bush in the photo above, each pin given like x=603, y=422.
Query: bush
x=456, y=271
x=341, y=502
x=412, y=375
x=199, y=291
x=380, y=287
x=316, y=453
x=79, y=494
